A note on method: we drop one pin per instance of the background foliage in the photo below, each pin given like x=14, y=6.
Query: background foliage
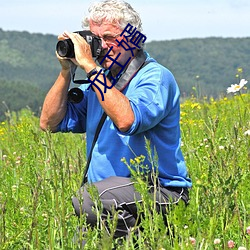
x=28, y=66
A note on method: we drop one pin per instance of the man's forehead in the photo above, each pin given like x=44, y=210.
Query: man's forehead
x=104, y=27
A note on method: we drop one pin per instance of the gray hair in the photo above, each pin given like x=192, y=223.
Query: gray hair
x=114, y=11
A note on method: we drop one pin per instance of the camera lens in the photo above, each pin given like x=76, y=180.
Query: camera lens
x=65, y=48
x=75, y=95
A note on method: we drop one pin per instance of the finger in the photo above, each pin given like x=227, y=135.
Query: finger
x=66, y=33
x=69, y=34
x=69, y=60
x=59, y=57
x=61, y=38
x=75, y=37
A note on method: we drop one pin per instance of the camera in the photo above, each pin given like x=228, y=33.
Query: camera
x=65, y=48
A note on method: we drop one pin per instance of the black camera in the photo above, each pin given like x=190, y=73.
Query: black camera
x=65, y=48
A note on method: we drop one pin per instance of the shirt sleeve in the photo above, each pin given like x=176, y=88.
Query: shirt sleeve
x=75, y=117
x=153, y=97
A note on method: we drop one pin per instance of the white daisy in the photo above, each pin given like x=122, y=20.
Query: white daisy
x=237, y=87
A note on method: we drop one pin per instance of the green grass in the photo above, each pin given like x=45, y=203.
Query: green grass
x=40, y=172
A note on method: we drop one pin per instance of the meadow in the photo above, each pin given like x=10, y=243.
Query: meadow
x=40, y=172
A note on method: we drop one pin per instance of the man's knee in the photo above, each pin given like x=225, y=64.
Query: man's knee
x=84, y=205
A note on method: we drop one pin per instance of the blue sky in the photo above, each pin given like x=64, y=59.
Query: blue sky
x=162, y=19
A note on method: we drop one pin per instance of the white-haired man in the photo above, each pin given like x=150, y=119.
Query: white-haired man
x=141, y=101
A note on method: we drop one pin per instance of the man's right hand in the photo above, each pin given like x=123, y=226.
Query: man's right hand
x=66, y=63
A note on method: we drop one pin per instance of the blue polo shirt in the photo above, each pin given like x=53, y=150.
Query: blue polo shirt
x=154, y=97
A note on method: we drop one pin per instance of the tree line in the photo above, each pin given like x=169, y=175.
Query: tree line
x=202, y=67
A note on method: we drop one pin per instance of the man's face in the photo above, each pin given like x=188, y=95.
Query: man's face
x=109, y=33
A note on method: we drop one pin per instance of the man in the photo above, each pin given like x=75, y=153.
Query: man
x=143, y=105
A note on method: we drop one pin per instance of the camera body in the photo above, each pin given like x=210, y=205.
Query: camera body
x=65, y=48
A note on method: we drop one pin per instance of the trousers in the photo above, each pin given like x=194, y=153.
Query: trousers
x=119, y=194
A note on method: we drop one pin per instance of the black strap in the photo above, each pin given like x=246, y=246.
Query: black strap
x=97, y=132
x=135, y=65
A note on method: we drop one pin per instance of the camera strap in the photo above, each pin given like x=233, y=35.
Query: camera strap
x=136, y=64
x=97, y=132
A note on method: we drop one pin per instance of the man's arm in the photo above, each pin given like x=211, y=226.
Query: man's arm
x=115, y=104
x=55, y=103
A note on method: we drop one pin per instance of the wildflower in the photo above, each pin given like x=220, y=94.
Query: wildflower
x=45, y=216
x=216, y=241
x=22, y=210
x=192, y=240
x=240, y=70
x=237, y=87
x=132, y=162
x=242, y=248
x=195, y=106
x=198, y=182
x=230, y=244
x=247, y=133
x=248, y=230
x=221, y=147
x=14, y=188
x=137, y=159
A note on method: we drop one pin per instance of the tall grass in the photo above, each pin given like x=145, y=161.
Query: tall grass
x=40, y=172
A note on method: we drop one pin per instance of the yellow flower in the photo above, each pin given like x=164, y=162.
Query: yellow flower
x=132, y=162
x=240, y=70
x=195, y=105
x=138, y=160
